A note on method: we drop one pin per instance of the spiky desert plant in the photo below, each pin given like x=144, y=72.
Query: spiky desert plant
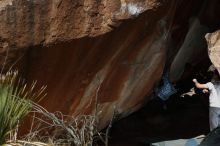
x=15, y=102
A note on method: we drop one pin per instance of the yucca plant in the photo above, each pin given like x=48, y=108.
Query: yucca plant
x=15, y=102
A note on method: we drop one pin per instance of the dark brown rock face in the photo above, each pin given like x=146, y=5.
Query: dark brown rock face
x=120, y=68
x=67, y=48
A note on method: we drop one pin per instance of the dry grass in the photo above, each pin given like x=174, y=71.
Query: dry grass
x=57, y=129
x=79, y=130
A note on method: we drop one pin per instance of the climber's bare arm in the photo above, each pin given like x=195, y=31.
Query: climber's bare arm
x=200, y=86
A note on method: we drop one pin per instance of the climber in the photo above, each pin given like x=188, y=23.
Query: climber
x=213, y=88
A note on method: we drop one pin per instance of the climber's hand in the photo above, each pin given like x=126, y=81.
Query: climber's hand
x=195, y=80
x=205, y=91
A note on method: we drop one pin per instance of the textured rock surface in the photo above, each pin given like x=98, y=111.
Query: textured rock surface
x=213, y=41
x=120, y=67
x=25, y=23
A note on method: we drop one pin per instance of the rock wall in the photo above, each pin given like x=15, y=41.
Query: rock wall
x=192, y=51
x=68, y=46
x=25, y=23
x=119, y=69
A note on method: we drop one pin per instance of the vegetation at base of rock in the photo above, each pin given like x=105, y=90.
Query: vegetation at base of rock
x=66, y=130
x=76, y=130
x=15, y=103
x=17, y=100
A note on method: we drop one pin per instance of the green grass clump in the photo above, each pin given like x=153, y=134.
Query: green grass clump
x=15, y=102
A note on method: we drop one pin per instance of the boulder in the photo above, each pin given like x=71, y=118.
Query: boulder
x=213, y=41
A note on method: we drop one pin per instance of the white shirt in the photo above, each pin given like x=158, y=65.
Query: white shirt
x=214, y=99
